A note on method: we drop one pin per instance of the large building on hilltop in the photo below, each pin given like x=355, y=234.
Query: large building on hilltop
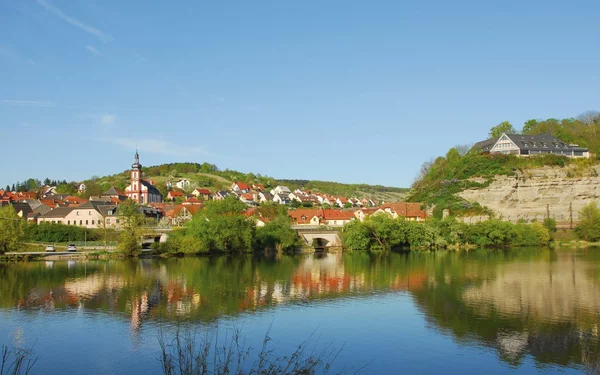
x=531, y=145
x=140, y=190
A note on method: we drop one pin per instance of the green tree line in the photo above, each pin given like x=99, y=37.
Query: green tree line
x=382, y=232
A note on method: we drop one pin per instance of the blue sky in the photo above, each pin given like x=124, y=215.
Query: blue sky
x=343, y=91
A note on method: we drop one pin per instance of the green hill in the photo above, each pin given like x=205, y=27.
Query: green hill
x=211, y=177
x=463, y=168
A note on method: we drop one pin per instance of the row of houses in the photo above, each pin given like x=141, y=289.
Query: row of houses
x=335, y=217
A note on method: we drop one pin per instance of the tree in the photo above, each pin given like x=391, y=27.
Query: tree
x=131, y=220
x=503, y=127
x=278, y=235
x=10, y=229
x=589, y=117
x=589, y=223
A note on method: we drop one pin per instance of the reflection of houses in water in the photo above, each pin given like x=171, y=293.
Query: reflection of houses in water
x=141, y=307
x=91, y=286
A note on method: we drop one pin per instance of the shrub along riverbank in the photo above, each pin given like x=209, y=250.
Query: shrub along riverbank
x=222, y=227
x=381, y=232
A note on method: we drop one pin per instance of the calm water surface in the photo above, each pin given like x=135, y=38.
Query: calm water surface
x=522, y=311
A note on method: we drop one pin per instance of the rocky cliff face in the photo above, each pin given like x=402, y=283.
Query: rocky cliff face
x=526, y=195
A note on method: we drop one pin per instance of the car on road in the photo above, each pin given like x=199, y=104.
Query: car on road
x=50, y=249
x=71, y=247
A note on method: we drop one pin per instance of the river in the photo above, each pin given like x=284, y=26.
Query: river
x=524, y=311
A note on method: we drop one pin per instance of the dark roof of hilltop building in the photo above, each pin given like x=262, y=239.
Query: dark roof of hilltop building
x=537, y=142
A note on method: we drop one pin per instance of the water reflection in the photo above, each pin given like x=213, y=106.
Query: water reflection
x=540, y=303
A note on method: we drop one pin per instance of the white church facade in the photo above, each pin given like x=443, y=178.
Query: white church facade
x=140, y=190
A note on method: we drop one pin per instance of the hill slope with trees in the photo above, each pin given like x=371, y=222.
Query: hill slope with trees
x=462, y=168
x=209, y=176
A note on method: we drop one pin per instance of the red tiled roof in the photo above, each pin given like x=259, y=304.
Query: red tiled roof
x=203, y=191
x=407, y=209
x=303, y=215
x=242, y=185
x=338, y=215
x=175, y=193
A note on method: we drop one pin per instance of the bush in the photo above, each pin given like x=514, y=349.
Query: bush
x=589, y=223
x=53, y=233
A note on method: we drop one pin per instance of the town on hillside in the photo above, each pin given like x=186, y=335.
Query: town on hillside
x=44, y=205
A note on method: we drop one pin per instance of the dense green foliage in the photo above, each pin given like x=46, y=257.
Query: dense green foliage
x=132, y=222
x=381, y=232
x=589, y=223
x=59, y=233
x=222, y=227
x=10, y=229
x=503, y=127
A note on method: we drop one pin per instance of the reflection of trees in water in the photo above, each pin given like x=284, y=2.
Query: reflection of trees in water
x=522, y=303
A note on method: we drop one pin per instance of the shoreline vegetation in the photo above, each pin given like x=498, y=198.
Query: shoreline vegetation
x=189, y=352
x=221, y=228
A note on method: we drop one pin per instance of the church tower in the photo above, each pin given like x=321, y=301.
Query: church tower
x=136, y=180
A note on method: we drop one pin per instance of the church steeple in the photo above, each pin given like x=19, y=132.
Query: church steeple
x=136, y=165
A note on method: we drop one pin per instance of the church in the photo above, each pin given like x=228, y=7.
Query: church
x=140, y=190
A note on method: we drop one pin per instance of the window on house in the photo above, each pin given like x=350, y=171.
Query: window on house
x=92, y=222
x=68, y=222
x=80, y=222
x=107, y=221
x=86, y=222
x=77, y=213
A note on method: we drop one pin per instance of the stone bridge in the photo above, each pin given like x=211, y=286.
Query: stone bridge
x=319, y=237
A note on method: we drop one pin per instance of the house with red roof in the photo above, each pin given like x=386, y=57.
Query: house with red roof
x=341, y=201
x=203, y=194
x=337, y=217
x=239, y=187
x=175, y=194
x=306, y=216
x=192, y=201
x=408, y=210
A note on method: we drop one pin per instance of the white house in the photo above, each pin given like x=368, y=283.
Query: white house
x=341, y=201
x=281, y=190
x=281, y=198
x=264, y=197
x=240, y=187
x=524, y=145
x=183, y=184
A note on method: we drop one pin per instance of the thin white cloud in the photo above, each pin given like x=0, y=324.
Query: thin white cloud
x=93, y=50
x=159, y=146
x=26, y=103
x=75, y=22
x=107, y=119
